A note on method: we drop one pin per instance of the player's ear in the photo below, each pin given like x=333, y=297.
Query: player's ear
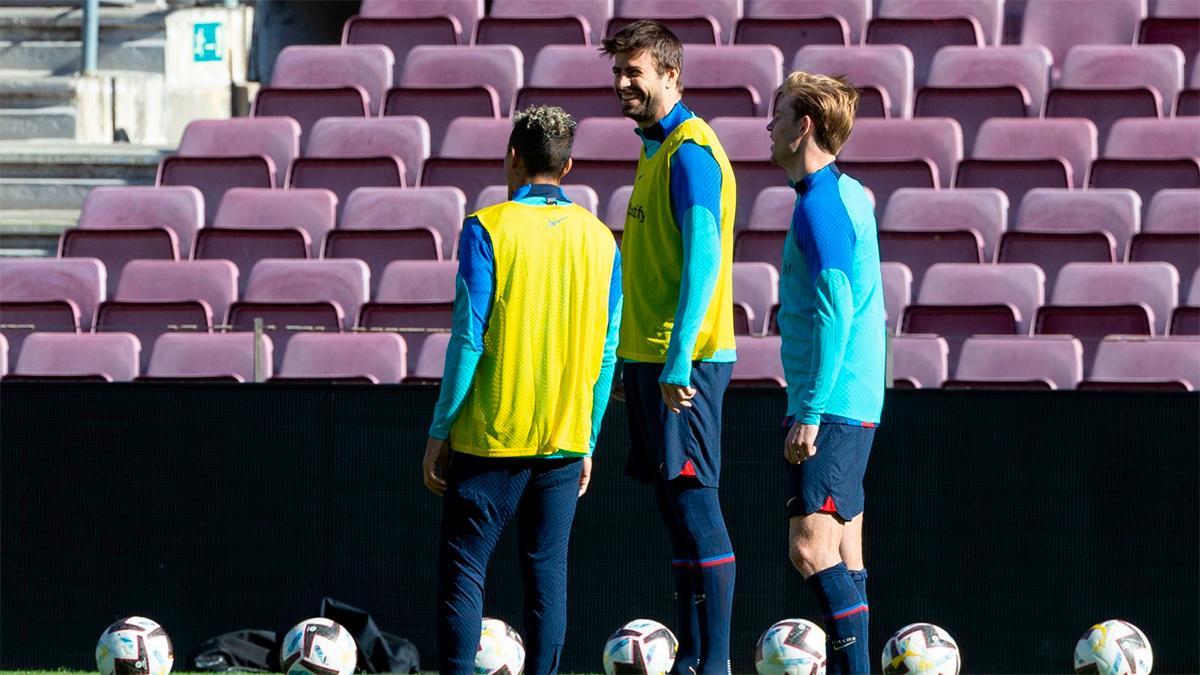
x=566, y=169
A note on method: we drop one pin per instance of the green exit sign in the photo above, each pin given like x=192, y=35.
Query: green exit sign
x=206, y=42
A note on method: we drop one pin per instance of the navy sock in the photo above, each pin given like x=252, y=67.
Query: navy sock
x=699, y=511
x=687, y=627
x=845, y=616
x=859, y=577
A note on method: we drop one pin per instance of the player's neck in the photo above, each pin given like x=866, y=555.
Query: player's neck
x=664, y=109
x=808, y=163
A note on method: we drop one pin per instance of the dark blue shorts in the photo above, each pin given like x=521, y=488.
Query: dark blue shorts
x=666, y=445
x=832, y=480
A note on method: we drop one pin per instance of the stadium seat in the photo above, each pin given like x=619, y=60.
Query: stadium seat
x=1174, y=211
x=1160, y=363
x=344, y=282
x=245, y=246
x=401, y=34
x=690, y=30
x=731, y=101
x=758, y=67
x=378, y=248
x=760, y=246
x=147, y=320
x=1074, y=141
x=884, y=177
x=724, y=12
x=1019, y=362
x=970, y=106
x=1188, y=103
x=378, y=358
x=1115, y=211
x=418, y=281
x=470, y=176
x=529, y=34
x=1024, y=67
x=21, y=318
x=1141, y=138
x=924, y=37
x=79, y=283
x=115, y=248
x=919, y=249
x=758, y=363
x=604, y=176
x=1063, y=24
x=283, y=320
x=476, y=138
x=498, y=66
x=312, y=210
x=307, y=105
x=1185, y=321
x=439, y=208
x=854, y=12
x=743, y=138
x=989, y=14
x=402, y=136
x=213, y=176
x=790, y=34
x=1146, y=176
x=1183, y=32
x=937, y=139
x=897, y=291
x=211, y=357
x=578, y=194
x=596, y=12
x=617, y=208
x=756, y=285
x=984, y=210
x=1014, y=176
x=366, y=66
x=1103, y=106
x=887, y=67
x=415, y=299
x=274, y=137
x=1180, y=249
x=772, y=210
x=179, y=208
x=608, y=138
x=465, y=12
x=426, y=366
x=580, y=102
x=919, y=361
x=213, y=281
x=1051, y=250
x=572, y=67
x=431, y=104
x=343, y=175
x=111, y=357
x=1184, y=8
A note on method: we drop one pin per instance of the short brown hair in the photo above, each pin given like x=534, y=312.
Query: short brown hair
x=831, y=102
x=542, y=137
x=648, y=35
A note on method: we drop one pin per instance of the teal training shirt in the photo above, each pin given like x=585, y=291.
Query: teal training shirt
x=831, y=312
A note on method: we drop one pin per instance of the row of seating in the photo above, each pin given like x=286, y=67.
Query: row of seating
x=918, y=361
x=1040, y=362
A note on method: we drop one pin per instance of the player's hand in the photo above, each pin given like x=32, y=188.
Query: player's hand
x=618, y=390
x=585, y=475
x=433, y=467
x=676, y=397
x=801, y=442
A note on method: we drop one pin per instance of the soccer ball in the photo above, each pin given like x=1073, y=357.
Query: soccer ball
x=640, y=646
x=134, y=645
x=791, y=647
x=921, y=649
x=318, y=647
x=1114, y=648
x=501, y=650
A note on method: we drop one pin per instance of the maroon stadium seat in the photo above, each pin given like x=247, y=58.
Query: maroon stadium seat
x=596, y=12
x=415, y=298
x=1073, y=141
x=465, y=12
x=245, y=246
x=498, y=66
x=937, y=139
x=1185, y=321
x=607, y=138
x=402, y=136
x=743, y=319
x=1174, y=211
x=1019, y=286
x=20, y=318
x=425, y=367
x=724, y=12
x=1103, y=106
x=571, y=67
x=897, y=291
x=401, y=34
x=1183, y=32
x=1154, y=139
x=476, y=138
x=919, y=361
x=1181, y=249
x=873, y=102
x=1013, y=361
x=1026, y=68
x=756, y=286
x=884, y=177
x=366, y=66
x=80, y=282
x=1188, y=103
x=580, y=103
x=854, y=12
x=582, y=195
x=887, y=67
x=956, y=323
x=1145, y=176
x=313, y=210
x=1015, y=177
x=115, y=248
x=111, y=357
x=1051, y=250
x=343, y=175
x=984, y=210
x=179, y=208
x=371, y=357
x=988, y=13
x=204, y=356
x=1155, y=284
x=691, y=30
x=213, y=176
x=213, y=281
x=618, y=207
x=603, y=175
x=418, y=281
x=758, y=363
x=431, y=104
x=1092, y=323
x=758, y=67
x=1115, y=211
x=149, y=319
x=274, y=137
x=743, y=138
x=284, y=319
x=344, y=282
x=971, y=106
x=1142, y=360
x=1063, y=24
x=924, y=37
x=920, y=249
x=789, y=35
x=470, y=176
x=772, y=209
x=378, y=248
x=530, y=34
x=307, y=105
x=760, y=246
x=439, y=208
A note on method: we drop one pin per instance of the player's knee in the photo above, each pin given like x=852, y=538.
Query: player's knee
x=804, y=557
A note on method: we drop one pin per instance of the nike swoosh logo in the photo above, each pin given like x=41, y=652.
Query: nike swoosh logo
x=839, y=645
x=556, y=221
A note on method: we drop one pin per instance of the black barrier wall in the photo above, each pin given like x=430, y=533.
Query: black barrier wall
x=1013, y=520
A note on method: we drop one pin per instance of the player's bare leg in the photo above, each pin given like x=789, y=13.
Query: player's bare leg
x=815, y=548
x=815, y=540
x=850, y=548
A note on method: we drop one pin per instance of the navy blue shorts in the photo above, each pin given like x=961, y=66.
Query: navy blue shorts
x=832, y=480
x=666, y=445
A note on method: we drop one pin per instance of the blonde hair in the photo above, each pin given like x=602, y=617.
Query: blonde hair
x=831, y=102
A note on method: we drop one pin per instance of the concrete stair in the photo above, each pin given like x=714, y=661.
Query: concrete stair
x=49, y=39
